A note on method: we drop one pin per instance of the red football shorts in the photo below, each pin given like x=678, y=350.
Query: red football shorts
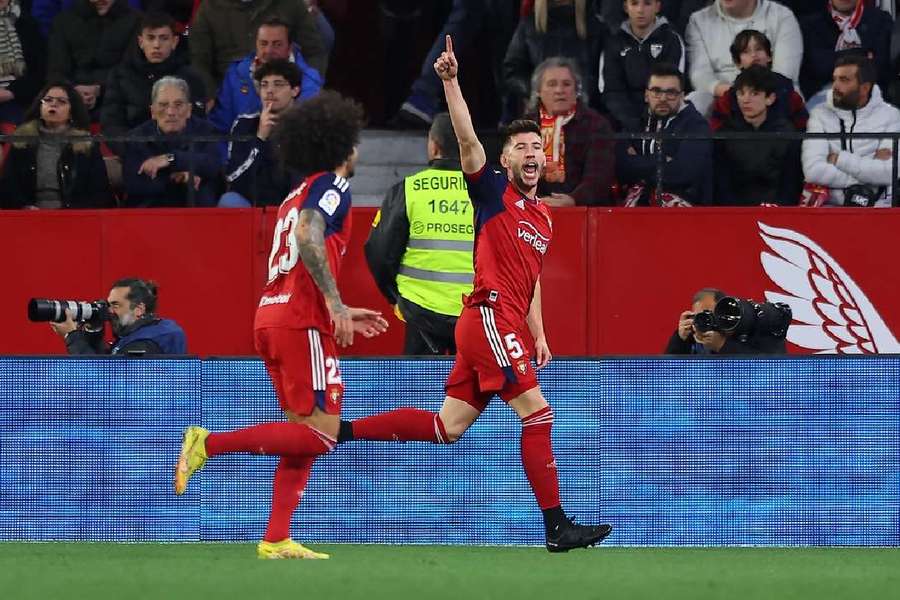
x=304, y=369
x=490, y=359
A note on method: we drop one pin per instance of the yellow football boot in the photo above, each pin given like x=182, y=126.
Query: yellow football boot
x=192, y=457
x=287, y=549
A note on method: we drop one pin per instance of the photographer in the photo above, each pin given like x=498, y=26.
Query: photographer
x=686, y=340
x=137, y=329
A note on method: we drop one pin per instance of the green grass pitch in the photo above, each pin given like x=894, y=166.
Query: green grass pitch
x=74, y=571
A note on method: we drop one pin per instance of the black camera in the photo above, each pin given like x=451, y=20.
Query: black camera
x=93, y=313
x=759, y=327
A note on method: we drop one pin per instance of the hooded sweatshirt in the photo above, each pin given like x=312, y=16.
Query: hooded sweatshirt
x=856, y=162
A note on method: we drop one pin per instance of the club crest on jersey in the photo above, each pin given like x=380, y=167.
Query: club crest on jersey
x=529, y=234
x=655, y=50
x=335, y=396
x=330, y=201
x=521, y=367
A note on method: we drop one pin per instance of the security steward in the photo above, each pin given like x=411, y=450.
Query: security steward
x=420, y=248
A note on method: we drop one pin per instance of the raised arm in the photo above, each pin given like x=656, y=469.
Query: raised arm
x=310, y=238
x=471, y=152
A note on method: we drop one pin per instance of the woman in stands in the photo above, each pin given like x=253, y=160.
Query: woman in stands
x=50, y=169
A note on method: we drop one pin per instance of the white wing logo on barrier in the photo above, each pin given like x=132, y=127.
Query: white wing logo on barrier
x=832, y=315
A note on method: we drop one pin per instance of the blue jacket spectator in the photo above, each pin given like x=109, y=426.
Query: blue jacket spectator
x=238, y=95
x=253, y=170
x=687, y=164
x=867, y=28
x=44, y=11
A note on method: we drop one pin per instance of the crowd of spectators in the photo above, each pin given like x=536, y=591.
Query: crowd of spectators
x=583, y=69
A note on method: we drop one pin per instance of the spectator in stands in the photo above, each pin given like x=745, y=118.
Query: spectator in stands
x=676, y=12
x=238, y=94
x=137, y=329
x=223, y=33
x=44, y=11
x=757, y=171
x=711, y=31
x=687, y=164
x=127, y=98
x=580, y=162
x=644, y=39
x=752, y=47
x=87, y=41
x=255, y=176
x=48, y=170
x=466, y=21
x=174, y=170
x=686, y=339
x=856, y=172
x=22, y=61
x=838, y=26
x=557, y=28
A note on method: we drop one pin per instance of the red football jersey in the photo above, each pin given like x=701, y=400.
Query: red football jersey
x=291, y=298
x=512, y=235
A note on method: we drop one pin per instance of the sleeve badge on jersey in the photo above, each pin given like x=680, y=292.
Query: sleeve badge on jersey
x=330, y=201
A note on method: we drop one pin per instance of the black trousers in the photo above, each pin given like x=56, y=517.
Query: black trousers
x=427, y=333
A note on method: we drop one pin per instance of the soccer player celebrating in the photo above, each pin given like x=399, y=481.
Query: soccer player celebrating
x=301, y=317
x=513, y=232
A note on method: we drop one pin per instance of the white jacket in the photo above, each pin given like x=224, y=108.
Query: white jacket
x=855, y=164
x=710, y=33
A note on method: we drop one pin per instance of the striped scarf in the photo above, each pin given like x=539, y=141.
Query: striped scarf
x=554, y=139
x=12, y=61
x=848, y=38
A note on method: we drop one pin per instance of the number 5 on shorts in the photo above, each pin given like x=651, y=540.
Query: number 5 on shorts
x=513, y=345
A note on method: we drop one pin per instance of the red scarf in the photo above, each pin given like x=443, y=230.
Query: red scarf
x=554, y=139
x=848, y=37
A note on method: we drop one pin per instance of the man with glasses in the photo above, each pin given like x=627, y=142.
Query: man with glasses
x=253, y=172
x=686, y=165
x=173, y=170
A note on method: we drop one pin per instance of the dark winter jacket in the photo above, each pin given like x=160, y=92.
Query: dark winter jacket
x=205, y=160
x=751, y=172
x=820, y=34
x=590, y=159
x=81, y=173
x=625, y=69
x=224, y=30
x=253, y=170
x=126, y=101
x=788, y=105
x=687, y=169
x=528, y=49
x=44, y=11
x=84, y=47
x=34, y=51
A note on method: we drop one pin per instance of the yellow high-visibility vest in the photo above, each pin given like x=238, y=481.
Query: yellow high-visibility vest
x=436, y=269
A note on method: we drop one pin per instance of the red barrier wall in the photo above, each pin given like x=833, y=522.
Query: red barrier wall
x=614, y=280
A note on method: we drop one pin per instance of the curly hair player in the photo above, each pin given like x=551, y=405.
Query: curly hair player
x=513, y=232
x=301, y=319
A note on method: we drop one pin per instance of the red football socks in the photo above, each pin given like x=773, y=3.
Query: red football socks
x=401, y=425
x=279, y=439
x=290, y=480
x=537, y=457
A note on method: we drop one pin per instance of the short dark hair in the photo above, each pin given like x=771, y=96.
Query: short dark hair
x=519, y=126
x=140, y=291
x=442, y=133
x=156, y=20
x=716, y=293
x=742, y=40
x=865, y=69
x=756, y=77
x=318, y=134
x=664, y=69
x=78, y=114
x=275, y=21
x=282, y=67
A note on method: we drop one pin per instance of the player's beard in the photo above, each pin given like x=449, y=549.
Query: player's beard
x=518, y=180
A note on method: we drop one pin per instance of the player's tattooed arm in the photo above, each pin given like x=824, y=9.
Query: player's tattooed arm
x=311, y=245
